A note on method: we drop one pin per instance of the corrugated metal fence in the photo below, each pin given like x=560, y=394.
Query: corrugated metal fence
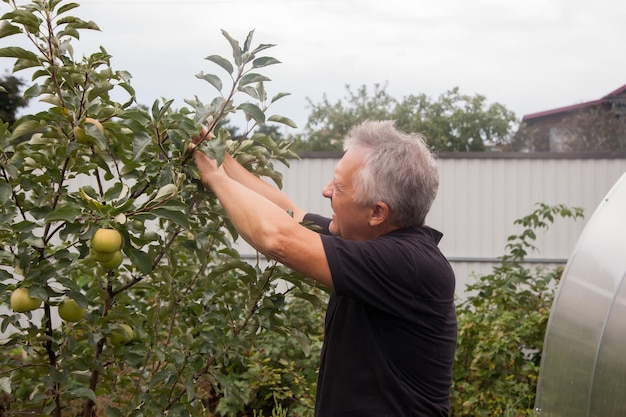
x=482, y=194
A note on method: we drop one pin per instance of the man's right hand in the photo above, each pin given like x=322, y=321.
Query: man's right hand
x=199, y=138
x=206, y=167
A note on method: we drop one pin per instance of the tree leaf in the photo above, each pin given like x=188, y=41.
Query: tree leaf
x=279, y=96
x=249, y=90
x=253, y=111
x=190, y=388
x=283, y=120
x=222, y=62
x=25, y=127
x=5, y=192
x=67, y=7
x=166, y=191
x=67, y=213
x=264, y=61
x=82, y=392
x=141, y=142
x=7, y=29
x=139, y=259
x=26, y=18
x=212, y=79
x=17, y=52
x=5, y=385
x=302, y=340
x=112, y=412
x=173, y=215
x=77, y=23
x=248, y=41
x=262, y=47
x=311, y=298
x=230, y=265
x=253, y=78
x=235, y=47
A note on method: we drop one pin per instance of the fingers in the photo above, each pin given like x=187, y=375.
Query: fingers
x=203, y=161
x=202, y=136
x=197, y=140
x=198, y=157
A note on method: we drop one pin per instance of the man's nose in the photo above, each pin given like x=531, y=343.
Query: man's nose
x=328, y=190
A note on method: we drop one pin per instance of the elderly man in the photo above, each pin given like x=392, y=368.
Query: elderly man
x=390, y=327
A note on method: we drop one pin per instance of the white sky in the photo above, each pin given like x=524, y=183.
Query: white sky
x=530, y=56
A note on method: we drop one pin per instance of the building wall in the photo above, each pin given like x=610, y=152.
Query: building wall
x=480, y=197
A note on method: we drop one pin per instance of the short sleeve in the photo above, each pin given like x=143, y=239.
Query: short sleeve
x=321, y=224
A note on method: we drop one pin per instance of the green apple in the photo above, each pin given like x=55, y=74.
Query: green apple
x=106, y=241
x=69, y=310
x=96, y=123
x=116, y=260
x=82, y=137
x=100, y=256
x=21, y=301
x=121, y=336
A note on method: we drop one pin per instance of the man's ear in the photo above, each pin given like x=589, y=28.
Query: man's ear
x=379, y=213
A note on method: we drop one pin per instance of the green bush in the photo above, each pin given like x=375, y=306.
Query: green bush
x=281, y=366
x=502, y=324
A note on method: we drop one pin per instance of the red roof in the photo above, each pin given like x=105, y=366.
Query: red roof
x=618, y=92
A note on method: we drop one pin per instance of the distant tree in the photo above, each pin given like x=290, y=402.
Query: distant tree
x=11, y=99
x=456, y=122
x=272, y=131
x=452, y=122
x=329, y=123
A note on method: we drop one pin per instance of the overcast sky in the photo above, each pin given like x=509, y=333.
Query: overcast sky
x=530, y=55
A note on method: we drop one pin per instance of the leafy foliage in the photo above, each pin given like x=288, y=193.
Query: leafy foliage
x=275, y=367
x=195, y=307
x=502, y=324
x=452, y=122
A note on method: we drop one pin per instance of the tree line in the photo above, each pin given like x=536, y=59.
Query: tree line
x=451, y=122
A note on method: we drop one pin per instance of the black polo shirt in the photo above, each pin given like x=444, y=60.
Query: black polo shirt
x=390, y=327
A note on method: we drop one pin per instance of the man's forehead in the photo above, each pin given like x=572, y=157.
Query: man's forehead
x=348, y=164
x=342, y=167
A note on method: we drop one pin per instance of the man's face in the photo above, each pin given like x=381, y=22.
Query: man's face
x=350, y=219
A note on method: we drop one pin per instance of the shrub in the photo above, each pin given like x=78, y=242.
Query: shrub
x=502, y=324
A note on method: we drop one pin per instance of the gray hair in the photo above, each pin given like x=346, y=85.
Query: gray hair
x=399, y=170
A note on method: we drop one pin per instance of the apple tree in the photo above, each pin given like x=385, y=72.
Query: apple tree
x=157, y=331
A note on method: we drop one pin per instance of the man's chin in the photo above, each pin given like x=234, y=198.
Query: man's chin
x=333, y=229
